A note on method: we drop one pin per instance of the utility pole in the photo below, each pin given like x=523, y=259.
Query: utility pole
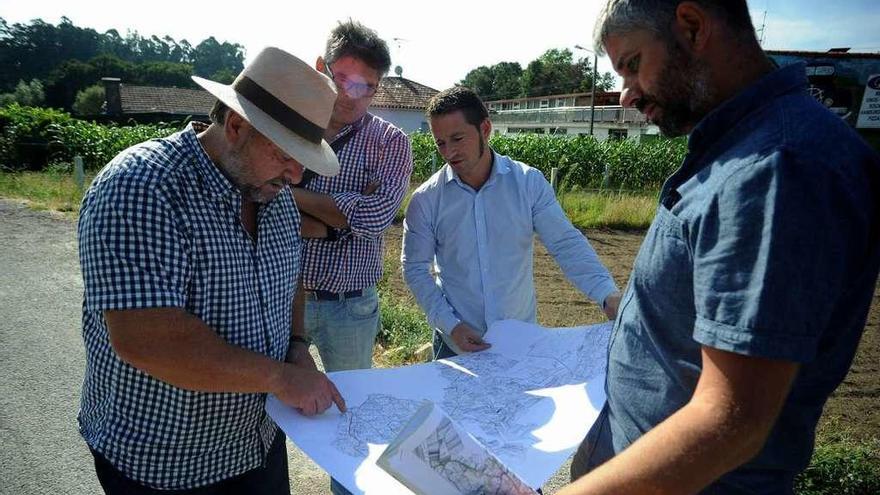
x=593, y=90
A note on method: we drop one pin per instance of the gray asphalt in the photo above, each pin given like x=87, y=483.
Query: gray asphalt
x=42, y=361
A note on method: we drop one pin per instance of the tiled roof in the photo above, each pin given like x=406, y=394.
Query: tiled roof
x=399, y=92
x=153, y=99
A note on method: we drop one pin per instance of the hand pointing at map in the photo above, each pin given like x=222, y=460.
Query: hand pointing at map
x=467, y=339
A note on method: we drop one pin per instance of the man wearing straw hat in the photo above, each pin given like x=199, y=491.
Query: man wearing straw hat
x=188, y=245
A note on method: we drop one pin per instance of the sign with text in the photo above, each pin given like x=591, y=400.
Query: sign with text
x=869, y=115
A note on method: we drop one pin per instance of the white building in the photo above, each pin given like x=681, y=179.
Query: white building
x=569, y=114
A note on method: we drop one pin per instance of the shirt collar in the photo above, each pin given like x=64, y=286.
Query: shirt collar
x=212, y=178
x=500, y=166
x=354, y=126
x=719, y=121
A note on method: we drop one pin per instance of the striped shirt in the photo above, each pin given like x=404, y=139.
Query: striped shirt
x=160, y=227
x=378, y=152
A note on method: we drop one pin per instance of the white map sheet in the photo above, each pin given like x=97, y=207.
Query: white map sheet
x=530, y=399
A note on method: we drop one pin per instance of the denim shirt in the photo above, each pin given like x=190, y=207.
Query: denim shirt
x=764, y=244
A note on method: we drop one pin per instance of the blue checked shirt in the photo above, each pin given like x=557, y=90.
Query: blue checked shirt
x=160, y=227
x=378, y=152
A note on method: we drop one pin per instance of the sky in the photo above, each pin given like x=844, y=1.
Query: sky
x=436, y=44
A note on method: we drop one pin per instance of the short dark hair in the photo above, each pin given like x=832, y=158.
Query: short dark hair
x=656, y=16
x=353, y=39
x=458, y=98
x=218, y=112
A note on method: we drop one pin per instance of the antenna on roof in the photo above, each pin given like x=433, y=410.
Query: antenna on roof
x=761, y=30
x=399, y=69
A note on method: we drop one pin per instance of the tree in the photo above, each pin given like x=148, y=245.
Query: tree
x=554, y=72
x=498, y=82
x=89, y=101
x=26, y=94
x=164, y=74
x=67, y=80
x=225, y=76
x=480, y=80
x=211, y=56
x=507, y=80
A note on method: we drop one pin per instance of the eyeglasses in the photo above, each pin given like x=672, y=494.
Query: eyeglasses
x=353, y=89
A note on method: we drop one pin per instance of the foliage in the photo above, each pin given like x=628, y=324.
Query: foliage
x=426, y=159
x=97, y=144
x=498, y=82
x=32, y=137
x=586, y=163
x=68, y=58
x=89, y=101
x=842, y=468
x=554, y=72
x=25, y=135
x=25, y=94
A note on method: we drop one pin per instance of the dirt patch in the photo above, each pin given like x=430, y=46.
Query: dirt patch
x=853, y=407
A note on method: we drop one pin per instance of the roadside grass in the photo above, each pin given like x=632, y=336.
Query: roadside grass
x=840, y=463
x=608, y=209
x=43, y=190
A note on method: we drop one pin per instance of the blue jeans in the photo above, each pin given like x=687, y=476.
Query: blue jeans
x=344, y=331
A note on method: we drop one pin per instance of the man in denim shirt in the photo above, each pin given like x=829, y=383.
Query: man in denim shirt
x=749, y=295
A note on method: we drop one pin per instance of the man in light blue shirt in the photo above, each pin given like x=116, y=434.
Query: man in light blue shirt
x=474, y=220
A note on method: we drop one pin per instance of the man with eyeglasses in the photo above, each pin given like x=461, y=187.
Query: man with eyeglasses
x=345, y=216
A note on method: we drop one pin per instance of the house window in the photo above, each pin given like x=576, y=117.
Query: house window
x=545, y=103
x=560, y=102
x=516, y=105
x=617, y=134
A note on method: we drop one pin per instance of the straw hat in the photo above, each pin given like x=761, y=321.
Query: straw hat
x=287, y=101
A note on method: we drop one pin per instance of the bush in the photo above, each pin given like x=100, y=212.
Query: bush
x=25, y=135
x=841, y=468
x=31, y=138
x=97, y=143
x=89, y=101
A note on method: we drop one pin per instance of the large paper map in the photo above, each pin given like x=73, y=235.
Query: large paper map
x=530, y=399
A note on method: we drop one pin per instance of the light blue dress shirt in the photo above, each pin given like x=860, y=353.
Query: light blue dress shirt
x=480, y=245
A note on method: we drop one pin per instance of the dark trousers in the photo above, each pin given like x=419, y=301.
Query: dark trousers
x=441, y=350
x=269, y=479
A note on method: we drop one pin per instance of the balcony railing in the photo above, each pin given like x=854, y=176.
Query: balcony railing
x=570, y=115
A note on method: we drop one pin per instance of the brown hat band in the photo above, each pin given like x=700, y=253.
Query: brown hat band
x=279, y=111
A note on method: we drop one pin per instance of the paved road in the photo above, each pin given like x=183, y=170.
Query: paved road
x=42, y=362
